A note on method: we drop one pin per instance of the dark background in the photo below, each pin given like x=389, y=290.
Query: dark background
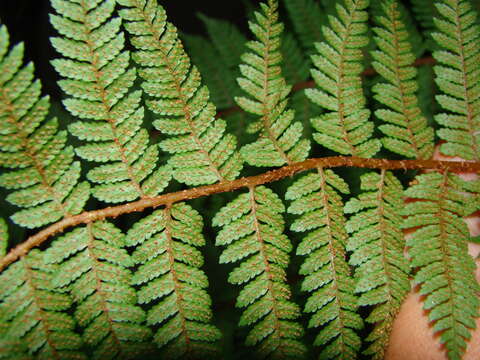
x=27, y=21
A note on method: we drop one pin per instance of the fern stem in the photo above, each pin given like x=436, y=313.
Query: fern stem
x=228, y=186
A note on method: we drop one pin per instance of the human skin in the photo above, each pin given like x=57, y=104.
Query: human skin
x=412, y=337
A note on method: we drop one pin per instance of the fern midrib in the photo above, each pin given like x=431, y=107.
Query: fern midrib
x=406, y=111
x=181, y=96
x=341, y=111
x=31, y=154
x=333, y=254
x=110, y=120
x=469, y=101
x=263, y=254
x=176, y=281
x=267, y=122
x=41, y=313
x=98, y=285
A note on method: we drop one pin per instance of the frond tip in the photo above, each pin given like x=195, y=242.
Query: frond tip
x=252, y=231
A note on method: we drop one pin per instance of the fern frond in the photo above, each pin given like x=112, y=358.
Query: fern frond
x=406, y=132
x=315, y=197
x=3, y=237
x=218, y=77
x=95, y=76
x=227, y=39
x=377, y=243
x=438, y=249
x=424, y=12
x=203, y=153
x=345, y=128
x=43, y=176
x=170, y=275
x=252, y=231
x=281, y=140
x=36, y=314
x=295, y=65
x=93, y=266
x=458, y=78
x=306, y=17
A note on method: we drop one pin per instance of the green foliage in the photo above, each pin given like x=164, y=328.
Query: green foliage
x=203, y=154
x=166, y=252
x=252, y=231
x=98, y=82
x=327, y=276
x=345, y=127
x=439, y=251
x=326, y=280
x=43, y=176
x=93, y=268
x=407, y=132
x=457, y=78
x=376, y=243
x=34, y=313
x=280, y=141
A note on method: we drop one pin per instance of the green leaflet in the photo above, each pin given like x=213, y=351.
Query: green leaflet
x=252, y=231
x=457, y=78
x=203, y=154
x=169, y=273
x=445, y=270
x=280, y=141
x=315, y=197
x=406, y=132
x=36, y=315
x=93, y=268
x=424, y=12
x=377, y=244
x=3, y=237
x=42, y=174
x=345, y=128
x=110, y=113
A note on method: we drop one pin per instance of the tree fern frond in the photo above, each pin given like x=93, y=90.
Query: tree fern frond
x=36, y=314
x=170, y=275
x=252, y=231
x=424, y=12
x=219, y=79
x=346, y=128
x=327, y=276
x=458, y=78
x=43, y=176
x=96, y=78
x=377, y=244
x=306, y=15
x=93, y=266
x=281, y=140
x=295, y=65
x=407, y=132
x=3, y=237
x=203, y=153
x=438, y=248
x=227, y=39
